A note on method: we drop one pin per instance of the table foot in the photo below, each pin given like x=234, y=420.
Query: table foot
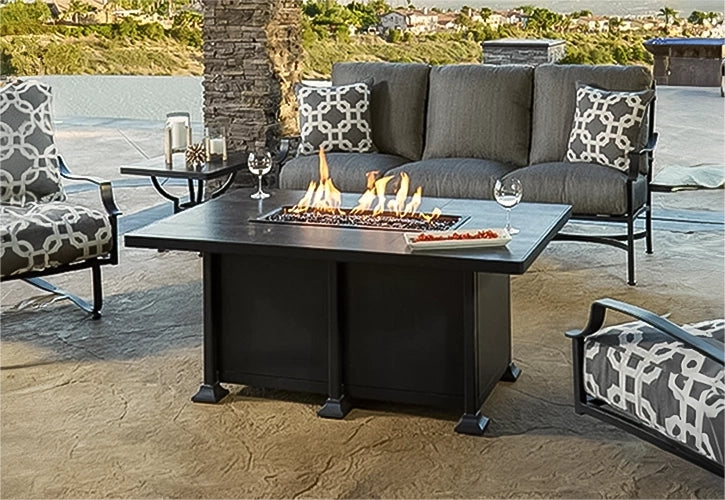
x=210, y=393
x=512, y=373
x=335, y=408
x=473, y=425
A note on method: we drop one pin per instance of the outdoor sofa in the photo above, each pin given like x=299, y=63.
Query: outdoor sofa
x=456, y=129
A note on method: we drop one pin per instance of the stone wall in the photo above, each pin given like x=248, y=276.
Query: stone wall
x=252, y=58
x=516, y=51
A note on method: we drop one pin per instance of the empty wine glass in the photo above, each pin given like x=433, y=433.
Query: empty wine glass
x=259, y=163
x=508, y=194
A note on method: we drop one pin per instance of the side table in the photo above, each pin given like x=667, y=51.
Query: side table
x=195, y=176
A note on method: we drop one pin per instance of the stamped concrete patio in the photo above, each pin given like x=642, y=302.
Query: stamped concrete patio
x=92, y=409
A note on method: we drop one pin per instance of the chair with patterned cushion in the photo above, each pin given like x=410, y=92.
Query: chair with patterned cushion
x=41, y=232
x=662, y=382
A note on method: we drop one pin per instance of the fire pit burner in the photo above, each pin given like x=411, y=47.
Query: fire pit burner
x=362, y=220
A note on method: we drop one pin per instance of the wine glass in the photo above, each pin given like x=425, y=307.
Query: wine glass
x=259, y=163
x=508, y=194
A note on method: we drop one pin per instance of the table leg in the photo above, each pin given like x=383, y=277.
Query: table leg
x=337, y=404
x=199, y=191
x=165, y=193
x=211, y=390
x=222, y=189
x=472, y=421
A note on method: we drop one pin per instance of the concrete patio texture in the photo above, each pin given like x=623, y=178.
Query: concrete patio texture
x=101, y=409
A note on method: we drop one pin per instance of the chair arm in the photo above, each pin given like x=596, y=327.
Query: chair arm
x=634, y=156
x=104, y=186
x=596, y=320
x=284, y=148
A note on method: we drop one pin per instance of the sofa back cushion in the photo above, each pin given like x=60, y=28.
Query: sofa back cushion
x=397, y=102
x=555, y=100
x=479, y=111
x=28, y=157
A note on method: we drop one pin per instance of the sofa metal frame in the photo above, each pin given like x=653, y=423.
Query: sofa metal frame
x=585, y=404
x=626, y=241
x=95, y=263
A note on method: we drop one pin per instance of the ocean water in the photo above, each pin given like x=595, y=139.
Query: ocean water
x=600, y=7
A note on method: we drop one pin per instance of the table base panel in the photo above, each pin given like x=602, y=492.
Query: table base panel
x=401, y=329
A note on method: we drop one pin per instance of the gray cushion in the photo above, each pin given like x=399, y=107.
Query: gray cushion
x=555, y=101
x=335, y=118
x=590, y=188
x=479, y=111
x=398, y=103
x=347, y=170
x=607, y=126
x=28, y=158
x=660, y=382
x=38, y=236
x=454, y=177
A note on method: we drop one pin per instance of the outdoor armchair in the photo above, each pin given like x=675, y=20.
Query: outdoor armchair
x=41, y=232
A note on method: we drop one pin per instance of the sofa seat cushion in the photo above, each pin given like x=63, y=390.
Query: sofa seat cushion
x=454, y=177
x=591, y=189
x=397, y=103
x=661, y=382
x=480, y=111
x=39, y=236
x=347, y=170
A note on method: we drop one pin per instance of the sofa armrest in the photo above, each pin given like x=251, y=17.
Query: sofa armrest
x=598, y=312
x=105, y=188
x=635, y=157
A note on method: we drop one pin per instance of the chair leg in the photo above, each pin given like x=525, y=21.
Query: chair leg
x=648, y=229
x=630, y=251
x=97, y=292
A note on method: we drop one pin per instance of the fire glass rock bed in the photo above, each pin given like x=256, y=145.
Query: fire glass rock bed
x=353, y=313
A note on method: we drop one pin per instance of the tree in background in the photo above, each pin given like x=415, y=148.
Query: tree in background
x=77, y=11
x=669, y=14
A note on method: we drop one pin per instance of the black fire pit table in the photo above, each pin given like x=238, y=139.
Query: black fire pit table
x=354, y=313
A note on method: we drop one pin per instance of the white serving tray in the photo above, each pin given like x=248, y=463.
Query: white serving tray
x=504, y=237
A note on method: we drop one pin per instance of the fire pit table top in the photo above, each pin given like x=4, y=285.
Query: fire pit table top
x=226, y=225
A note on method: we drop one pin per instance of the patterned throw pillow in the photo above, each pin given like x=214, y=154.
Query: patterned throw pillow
x=607, y=126
x=29, y=169
x=335, y=118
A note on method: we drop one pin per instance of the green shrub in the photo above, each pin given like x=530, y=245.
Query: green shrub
x=65, y=59
x=20, y=18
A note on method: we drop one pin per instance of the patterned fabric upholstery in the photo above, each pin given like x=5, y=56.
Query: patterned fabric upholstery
x=660, y=382
x=38, y=236
x=335, y=118
x=28, y=154
x=607, y=126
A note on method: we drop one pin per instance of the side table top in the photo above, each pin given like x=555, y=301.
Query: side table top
x=156, y=167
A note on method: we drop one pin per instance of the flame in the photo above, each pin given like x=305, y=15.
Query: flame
x=323, y=196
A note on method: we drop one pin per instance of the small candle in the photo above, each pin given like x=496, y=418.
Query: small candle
x=216, y=146
x=178, y=136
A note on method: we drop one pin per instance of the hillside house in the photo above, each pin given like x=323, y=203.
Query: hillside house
x=414, y=21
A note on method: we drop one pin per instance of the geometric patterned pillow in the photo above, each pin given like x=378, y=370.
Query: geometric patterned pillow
x=607, y=126
x=335, y=118
x=29, y=169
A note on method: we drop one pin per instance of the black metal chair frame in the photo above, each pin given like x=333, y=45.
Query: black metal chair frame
x=626, y=241
x=95, y=263
x=585, y=404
